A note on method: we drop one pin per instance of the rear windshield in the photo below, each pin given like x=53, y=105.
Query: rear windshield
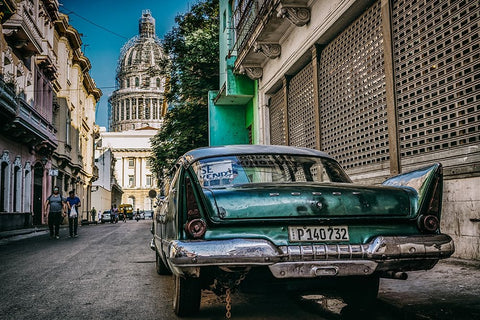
x=266, y=168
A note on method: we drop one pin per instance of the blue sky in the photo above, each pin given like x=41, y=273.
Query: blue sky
x=121, y=17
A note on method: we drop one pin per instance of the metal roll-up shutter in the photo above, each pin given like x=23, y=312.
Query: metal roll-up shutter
x=301, y=112
x=437, y=74
x=353, y=114
x=277, y=118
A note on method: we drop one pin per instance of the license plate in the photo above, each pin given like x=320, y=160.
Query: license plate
x=316, y=233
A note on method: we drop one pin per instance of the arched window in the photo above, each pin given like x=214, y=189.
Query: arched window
x=137, y=82
x=158, y=82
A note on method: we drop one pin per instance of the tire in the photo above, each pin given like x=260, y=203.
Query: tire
x=160, y=266
x=361, y=291
x=186, y=300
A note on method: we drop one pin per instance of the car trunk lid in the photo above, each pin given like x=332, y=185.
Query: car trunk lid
x=311, y=200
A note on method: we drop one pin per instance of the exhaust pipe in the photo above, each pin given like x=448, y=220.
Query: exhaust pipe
x=394, y=275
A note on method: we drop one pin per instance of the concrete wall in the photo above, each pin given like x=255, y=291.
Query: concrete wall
x=461, y=216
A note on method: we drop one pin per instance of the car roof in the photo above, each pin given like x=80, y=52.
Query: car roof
x=229, y=150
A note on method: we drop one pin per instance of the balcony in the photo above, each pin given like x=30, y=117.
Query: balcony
x=22, y=33
x=259, y=26
x=8, y=104
x=26, y=125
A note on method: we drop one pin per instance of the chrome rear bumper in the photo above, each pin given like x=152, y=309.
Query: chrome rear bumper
x=306, y=261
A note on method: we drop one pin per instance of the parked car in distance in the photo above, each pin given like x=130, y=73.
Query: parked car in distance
x=105, y=216
x=255, y=215
x=148, y=214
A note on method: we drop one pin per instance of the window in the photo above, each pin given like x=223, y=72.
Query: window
x=158, y=82
x=131, y=163
x=265, y=168
x=67, y=130
x=137, y=82
x=131, y=181
x=128, y=83
x=148, y=181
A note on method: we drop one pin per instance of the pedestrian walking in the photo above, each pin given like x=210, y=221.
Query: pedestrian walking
x=114, y=214
x=73, y=203
x=94, y=213
x=55, y=206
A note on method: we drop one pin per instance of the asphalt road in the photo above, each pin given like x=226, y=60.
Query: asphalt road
x=108, y=272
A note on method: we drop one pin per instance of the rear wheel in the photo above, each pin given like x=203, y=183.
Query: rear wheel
x=160, y=266
x=187, y=296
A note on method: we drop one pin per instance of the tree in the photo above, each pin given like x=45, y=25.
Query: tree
x=192, y=48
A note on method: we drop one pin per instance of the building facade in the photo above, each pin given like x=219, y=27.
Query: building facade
x=105, y=190
x=137, y=108
x=131, y=151
x=383, y=86
x=74, y=117
x=33, y=132
x=231, y=110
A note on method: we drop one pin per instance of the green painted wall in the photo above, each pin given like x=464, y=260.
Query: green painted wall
x=226, y=124
x=234, y=113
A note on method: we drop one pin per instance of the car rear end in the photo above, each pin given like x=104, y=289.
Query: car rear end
x=302, y=218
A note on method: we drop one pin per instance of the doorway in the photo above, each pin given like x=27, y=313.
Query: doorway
x=37, y=194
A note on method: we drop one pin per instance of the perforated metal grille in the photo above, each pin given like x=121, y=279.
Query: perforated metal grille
x=437, y=66
x=277, y=119
x=301, y=112
x=353, y=116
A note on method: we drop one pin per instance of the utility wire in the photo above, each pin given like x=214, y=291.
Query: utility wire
x=71, y=12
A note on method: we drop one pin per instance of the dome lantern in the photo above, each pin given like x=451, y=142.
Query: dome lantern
x=146, y=25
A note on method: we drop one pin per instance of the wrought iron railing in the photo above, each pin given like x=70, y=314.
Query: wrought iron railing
x=245, y=19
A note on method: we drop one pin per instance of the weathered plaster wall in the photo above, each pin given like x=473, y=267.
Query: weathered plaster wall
x=461, y=216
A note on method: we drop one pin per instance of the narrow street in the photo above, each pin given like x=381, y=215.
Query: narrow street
x=108, y=272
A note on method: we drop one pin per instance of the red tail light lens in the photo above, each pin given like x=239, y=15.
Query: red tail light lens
x=196, y=228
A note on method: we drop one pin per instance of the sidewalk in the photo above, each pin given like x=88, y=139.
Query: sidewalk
x=20, y=232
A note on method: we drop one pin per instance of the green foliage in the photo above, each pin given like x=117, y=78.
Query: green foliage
x=192, y=47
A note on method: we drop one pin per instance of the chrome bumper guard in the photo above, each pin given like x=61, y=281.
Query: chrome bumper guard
x=383, y=253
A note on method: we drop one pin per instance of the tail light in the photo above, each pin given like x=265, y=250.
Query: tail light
x=428, y=223
x=195, y=226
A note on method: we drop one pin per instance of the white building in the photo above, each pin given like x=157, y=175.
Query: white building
x=131, y=150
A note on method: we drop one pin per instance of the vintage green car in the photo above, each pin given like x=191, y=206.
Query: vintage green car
x=291, y=216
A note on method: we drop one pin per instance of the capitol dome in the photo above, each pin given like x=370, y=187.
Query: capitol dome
x=138, y=101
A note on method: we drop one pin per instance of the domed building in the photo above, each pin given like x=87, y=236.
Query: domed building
x=137, y=108
x=138, y=100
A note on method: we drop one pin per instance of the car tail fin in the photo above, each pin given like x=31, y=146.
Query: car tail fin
x=428, y=183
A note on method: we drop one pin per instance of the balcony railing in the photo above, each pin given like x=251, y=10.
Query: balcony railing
x=246, y=17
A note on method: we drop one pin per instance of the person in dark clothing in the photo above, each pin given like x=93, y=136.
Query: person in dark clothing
x=73, y=203
x=55, y=206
